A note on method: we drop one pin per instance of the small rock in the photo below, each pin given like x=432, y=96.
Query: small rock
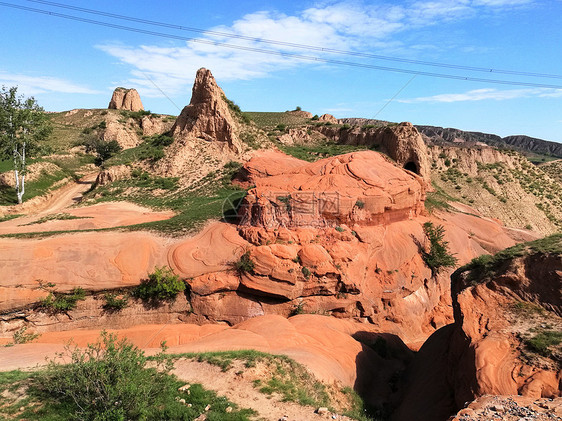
x=207, y=407
x=182, y=401
x=184, y=388
x=201, y=417
x=228, y=409
x=284, y=418
x=322, y=411
x=498, y=408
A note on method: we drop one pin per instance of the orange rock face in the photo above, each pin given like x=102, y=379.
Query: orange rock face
x=360, y=187
x=486, y=351
x=125, y=99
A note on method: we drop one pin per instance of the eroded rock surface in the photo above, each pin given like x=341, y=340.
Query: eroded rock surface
x=499, y=309
x=125, y=99
x=360, y=187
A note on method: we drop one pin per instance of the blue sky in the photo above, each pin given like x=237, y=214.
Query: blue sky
x=68, y=64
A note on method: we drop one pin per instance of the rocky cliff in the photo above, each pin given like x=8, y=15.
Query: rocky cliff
x=207, y=116
x=401, y=142
x=440, y=135
x=506, y=336
x=206, y=133
x=125, y=99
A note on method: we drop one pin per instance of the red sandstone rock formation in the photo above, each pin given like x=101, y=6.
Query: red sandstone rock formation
x=360, y=187
x=125, y=99
x=496, y=309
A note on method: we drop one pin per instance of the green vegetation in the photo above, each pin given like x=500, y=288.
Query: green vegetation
x=245, y=263
x=21, y=337
x=151, y=149
x=114, y=302
x=313, y=153
x=542, y=341
x=269, y=120
x=162, y=284
x=56, y=217
x=306, y=272
x=9, y=217
x=23, y=125
x=57, y=302
x=110, y=380
x=360, y=204
x=213, y=196
x=438, y=256
x=235, y=109
x=282, y=375
x=485, y=266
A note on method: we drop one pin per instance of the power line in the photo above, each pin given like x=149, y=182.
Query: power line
x=298, y=45
x=283, y=54
x=395, y=95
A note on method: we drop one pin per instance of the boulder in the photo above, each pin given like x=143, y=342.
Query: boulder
x=125, y=99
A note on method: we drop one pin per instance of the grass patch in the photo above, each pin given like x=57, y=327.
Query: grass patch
x=212, y=197
x=485, y=266
x=56, y=217
x=315, y=152
x=438, y=199
x=285, y=377
x=542, y=342
x=9, y=217
x=110, y=380
x=152, y=149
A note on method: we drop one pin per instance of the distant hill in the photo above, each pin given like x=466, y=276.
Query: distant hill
x=440, y=135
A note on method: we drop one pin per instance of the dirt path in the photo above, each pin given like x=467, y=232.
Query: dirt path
x=47, y=210
x=237, y=385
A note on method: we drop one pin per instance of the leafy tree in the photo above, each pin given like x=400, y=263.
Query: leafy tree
x=23, y=124
x=438, y=255
x=104, y=150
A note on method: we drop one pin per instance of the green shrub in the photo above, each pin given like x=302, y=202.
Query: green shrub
x=541, y=342
x=306, y=272
x=162, y=284
x=340, y=229
x=360, y=204
x=109, y=380
x=438, y=255
x=315, y=117
x=281, y=127
x=20, y=337
x=57, y=302
x=245, y=263
x=115, y=303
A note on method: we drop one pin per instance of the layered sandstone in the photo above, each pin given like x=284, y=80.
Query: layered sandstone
x=360, y=187
x=125, y=99
x=498, y=308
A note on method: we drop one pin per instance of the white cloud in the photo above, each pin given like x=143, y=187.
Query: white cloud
x=344, y=25
x=33, y=85
x=487, y=94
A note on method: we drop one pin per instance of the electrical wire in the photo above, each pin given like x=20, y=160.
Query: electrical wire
x=297, y=45
x=283, y=54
